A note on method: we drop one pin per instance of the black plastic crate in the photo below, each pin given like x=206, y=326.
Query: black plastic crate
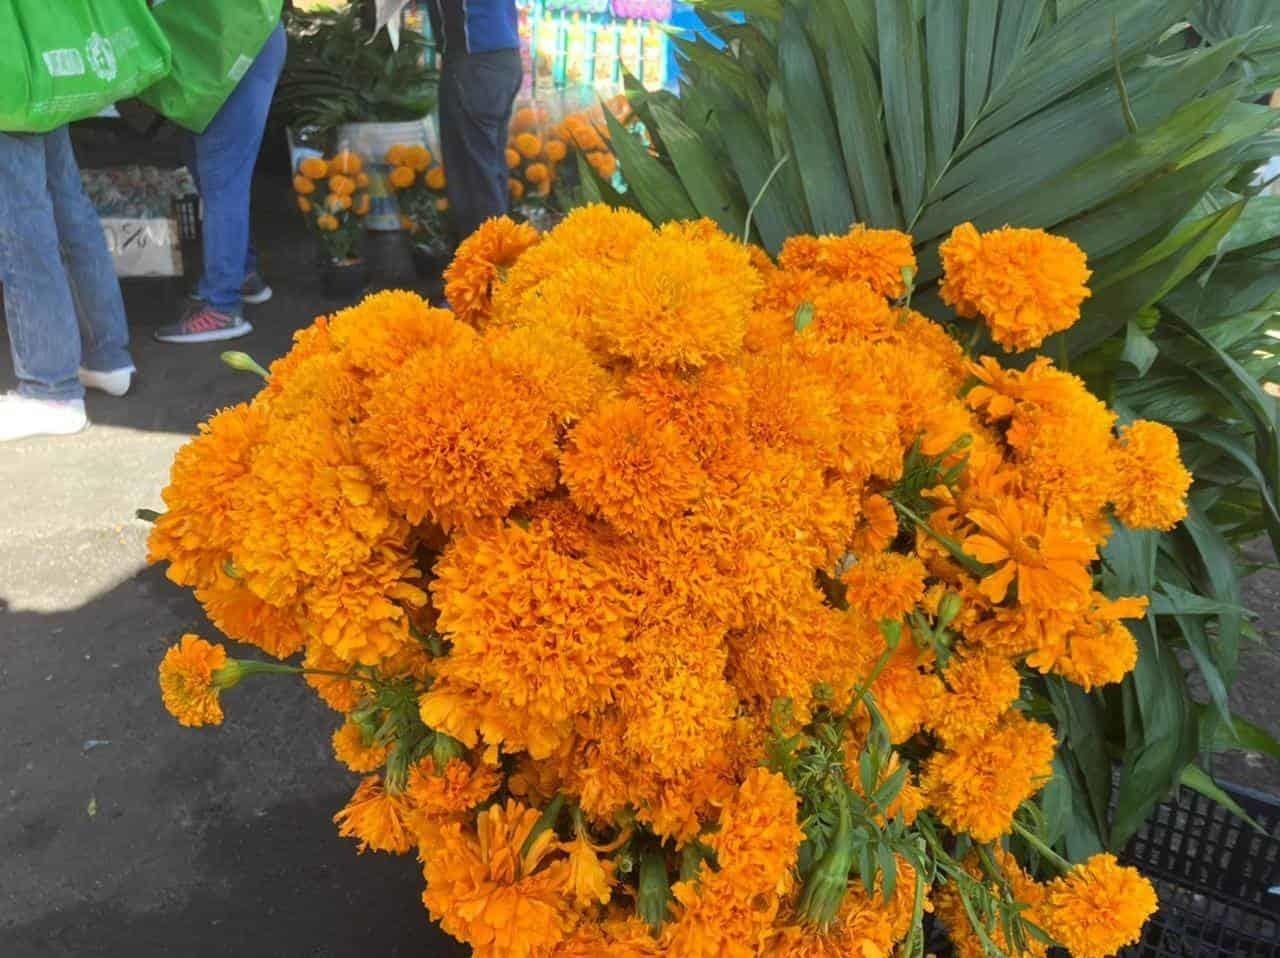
x=1218, y=879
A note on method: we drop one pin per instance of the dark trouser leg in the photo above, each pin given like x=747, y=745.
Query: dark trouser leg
x=476, y=94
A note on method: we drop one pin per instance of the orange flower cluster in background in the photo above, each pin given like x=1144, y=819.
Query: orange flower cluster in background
x=419, y=182
x=332, y=194
x=671, y=596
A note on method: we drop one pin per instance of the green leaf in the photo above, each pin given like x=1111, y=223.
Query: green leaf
x=944, y=60
x=1197, y=779
x=1081, y=729
x=857, y=107
x=1018, y=22
x=1170, y=599
x=979, y=46
x=900, y=85
x=813, y=134
x=657, y=188
x=1244, y=734
x=700, y=171
x=1139, y=351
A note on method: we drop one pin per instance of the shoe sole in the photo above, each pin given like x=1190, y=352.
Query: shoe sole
x=47, y=432
x=214, y=336
x=89, y=384
x=258, y=298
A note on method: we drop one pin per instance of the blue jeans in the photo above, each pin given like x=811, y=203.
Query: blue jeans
x=61, y=296
x=221, y=160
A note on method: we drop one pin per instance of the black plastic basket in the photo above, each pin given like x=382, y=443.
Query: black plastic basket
x=186, y=212
x=1218, y=878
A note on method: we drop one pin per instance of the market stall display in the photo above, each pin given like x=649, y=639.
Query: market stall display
x=332, y=194
x=418, y=182
x=591, y=44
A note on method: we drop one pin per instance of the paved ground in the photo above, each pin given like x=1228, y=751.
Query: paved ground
x=122, y=834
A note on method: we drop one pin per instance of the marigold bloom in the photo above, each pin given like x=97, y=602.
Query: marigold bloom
x=347, y=163
x=556, y=150
x=1151, y=481
x=878, y=526
x=513, y=158
x=376, y=818
x=458, y=787
x=1045, y=551
x=1025, y=283
x=885, y=585
x=435, y=178
x=241, y=615
x=1098, y=907
x=976, y=785
x=876, y=257
x=350, y=748
x=981, y=685
x=527, y=145
x=314, y=168
x=484, y=891
x=482, y=261
x=628, y=469
x=187, y=681
x=401, y=177
x=303, y=186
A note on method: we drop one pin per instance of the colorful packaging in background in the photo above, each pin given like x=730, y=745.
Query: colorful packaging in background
x=70, y=59
x=214, y=44
x=642, y=9
x=570, y=44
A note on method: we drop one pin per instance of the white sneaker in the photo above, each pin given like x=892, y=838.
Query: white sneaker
x=113, y=383
x=23, y=416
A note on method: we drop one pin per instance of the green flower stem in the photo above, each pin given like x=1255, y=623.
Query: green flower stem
x=1045, y=851
x=971, y=564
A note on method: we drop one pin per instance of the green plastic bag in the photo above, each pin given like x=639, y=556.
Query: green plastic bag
x=214, y=44
x=68, y=59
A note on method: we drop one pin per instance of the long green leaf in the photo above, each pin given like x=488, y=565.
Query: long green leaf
x=944, y=60
x=700, y=171
x=900, y=85
x=657, y=188
x=857, y=107
x=813, y=134
x=1197, y=779
x=1018, y=22
x=979, y=46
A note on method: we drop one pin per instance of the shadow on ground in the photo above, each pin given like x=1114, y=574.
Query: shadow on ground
x=122, y=834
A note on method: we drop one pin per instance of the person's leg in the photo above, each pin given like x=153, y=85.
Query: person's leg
x=225, y=154
x=476, y=94
x=38, y=304
x=99, y=307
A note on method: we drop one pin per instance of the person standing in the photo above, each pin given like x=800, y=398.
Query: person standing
x=62, y=301
x=222, y=159
x=480, y=75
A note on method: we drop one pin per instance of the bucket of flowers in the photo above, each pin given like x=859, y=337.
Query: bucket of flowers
x=332, y=196
x=419, y=185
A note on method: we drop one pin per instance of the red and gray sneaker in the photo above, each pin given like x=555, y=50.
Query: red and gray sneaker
x=204, y=324
x=255, y=289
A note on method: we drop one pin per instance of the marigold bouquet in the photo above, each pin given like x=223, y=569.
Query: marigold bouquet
x=681, y=602
x=419, y=185
x=332, y=196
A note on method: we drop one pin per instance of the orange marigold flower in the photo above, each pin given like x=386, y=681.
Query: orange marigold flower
x=377, y=818
x=976, y=785
x=527, y=145
x=1025, y=283
x=981, y=685
x=876, y=257
x=877, y=527
x=189, y=681
x=351, y=749
x=554, y=369
x=341, y=695
x=1018, y=887
x=342, y=185
x=537, y=173
x=481, y=262
x=590, y=878
x=314, y=168
x=454, y=438
x=303, y=186
x=1044, y=550
x=628, y=469
x=244, y=617
x=458, y=787
x=884, y=585
x=1098, y=907
x=515, y=188
x=556, y=150
x=682, y=300
x=197, y=532
x=1151, y=481
x=486, y=889
x=401, y=177
x=435, y=178
x=346, y=162
x=513, y=158
x=541, y=632
x=418, y=157
x=1091, y=646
